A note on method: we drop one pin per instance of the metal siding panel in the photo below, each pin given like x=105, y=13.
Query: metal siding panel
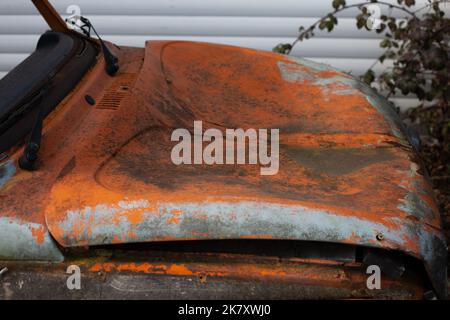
x=342, y=48
x=191, y=26
x=10, y=60
x=261, y=8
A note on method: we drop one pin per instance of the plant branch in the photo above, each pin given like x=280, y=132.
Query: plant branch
x=343, y=8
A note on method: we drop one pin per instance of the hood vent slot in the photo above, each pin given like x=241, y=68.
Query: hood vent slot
x=117, y=92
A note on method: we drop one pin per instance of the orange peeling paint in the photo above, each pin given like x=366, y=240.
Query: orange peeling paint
x=173, y=220
x=39, y=234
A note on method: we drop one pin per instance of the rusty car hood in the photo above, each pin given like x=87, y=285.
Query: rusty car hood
x=347, y=171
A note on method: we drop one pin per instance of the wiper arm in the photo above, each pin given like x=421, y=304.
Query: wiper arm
x=30, y=154
x=112, y=63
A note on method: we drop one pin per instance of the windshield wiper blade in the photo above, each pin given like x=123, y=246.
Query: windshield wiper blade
x=30, y=154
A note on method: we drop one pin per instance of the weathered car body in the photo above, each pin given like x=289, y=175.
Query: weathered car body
x=350, y=191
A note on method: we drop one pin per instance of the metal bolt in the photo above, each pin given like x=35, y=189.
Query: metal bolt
x=380, y=237
x=3, y=271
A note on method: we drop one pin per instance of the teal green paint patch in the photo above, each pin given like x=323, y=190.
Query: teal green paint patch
x=7, y=171
x=18, y=243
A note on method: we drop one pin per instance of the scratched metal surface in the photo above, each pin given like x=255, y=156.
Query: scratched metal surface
x=347, y=172
x=199, y=276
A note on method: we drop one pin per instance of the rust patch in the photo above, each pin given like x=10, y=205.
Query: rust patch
x=39, y=234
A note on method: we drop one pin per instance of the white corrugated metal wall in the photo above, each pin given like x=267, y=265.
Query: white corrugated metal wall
x=259, y=24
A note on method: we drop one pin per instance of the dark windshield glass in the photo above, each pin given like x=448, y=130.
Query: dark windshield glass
x=56, y=66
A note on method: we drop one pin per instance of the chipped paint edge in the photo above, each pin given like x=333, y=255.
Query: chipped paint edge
x=216, y=220
x=110, y=224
